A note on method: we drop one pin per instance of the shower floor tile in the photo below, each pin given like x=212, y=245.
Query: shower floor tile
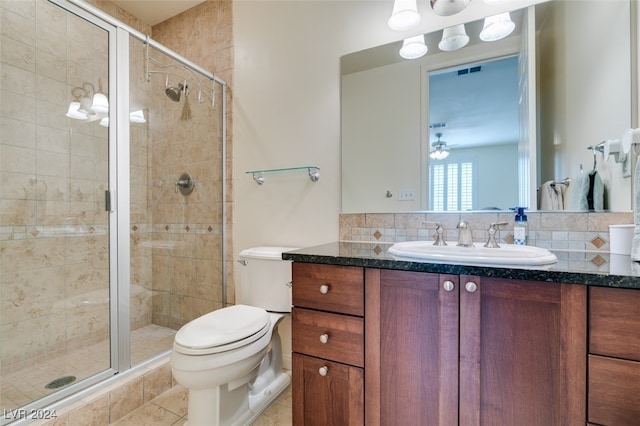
x=22, y=387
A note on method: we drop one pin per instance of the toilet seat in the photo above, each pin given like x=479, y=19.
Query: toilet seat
x=222, y=330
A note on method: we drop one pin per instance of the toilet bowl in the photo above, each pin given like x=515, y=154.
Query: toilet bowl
x=230, y=360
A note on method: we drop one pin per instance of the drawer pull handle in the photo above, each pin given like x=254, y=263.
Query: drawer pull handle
x=324, y=338
x=448, y=285
x=471, y=287
x=323, y=371
x=324, y=289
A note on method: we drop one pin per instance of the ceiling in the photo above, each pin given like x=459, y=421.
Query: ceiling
x=152, y=12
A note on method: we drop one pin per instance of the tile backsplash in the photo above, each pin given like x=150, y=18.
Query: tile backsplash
x=571, y=231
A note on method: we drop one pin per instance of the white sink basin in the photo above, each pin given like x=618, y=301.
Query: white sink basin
x=506, y=255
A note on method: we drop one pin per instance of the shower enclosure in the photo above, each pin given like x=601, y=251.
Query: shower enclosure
x=111, y=202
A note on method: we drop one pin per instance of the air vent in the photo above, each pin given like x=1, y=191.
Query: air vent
x=471, y=70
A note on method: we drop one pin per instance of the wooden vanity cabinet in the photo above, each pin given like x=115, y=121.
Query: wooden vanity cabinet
x=614, y=356
x=328, y=345
x=464, y=350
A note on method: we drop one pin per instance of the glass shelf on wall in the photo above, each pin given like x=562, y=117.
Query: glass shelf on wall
x=258, y=175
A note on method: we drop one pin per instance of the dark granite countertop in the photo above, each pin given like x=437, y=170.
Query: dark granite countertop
x=574, y=267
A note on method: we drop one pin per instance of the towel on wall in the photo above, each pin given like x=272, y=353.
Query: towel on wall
x=587, y=193
x=635, y=243
x=551, y=196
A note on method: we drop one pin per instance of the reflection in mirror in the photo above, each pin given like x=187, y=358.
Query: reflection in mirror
x=579, y=102
x=475, y=109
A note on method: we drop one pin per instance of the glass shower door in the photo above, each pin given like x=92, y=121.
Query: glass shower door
x=54, y=169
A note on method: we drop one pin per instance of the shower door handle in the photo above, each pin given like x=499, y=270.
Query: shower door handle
x=107, y=201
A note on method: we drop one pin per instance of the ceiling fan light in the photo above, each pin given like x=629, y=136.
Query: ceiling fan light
x=438, y=154
x=453, y=38
x=497, y=27
x=404, y=16
x=414, y=47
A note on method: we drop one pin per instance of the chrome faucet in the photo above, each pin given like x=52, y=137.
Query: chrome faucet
x=493, y=228
x=440, y=234
x=465, y=238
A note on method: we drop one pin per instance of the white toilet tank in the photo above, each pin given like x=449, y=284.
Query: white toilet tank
x=265, y=279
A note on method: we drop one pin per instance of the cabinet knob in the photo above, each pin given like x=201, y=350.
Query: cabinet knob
x=324, y=289
x=471, y=287
x=324, y=338
x=323, y=371
x=448, y=285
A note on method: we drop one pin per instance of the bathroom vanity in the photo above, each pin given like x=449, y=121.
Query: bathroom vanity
x=379, y=341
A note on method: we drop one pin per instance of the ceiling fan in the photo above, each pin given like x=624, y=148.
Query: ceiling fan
x=439, y=150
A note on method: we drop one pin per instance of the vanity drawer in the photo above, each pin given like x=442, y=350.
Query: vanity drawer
x=329, y=288
x=614, y=322
x=614, y=391
x=330, y=336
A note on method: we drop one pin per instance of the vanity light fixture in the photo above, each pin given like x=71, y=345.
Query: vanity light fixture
x=404, y=15
x=497, y=27
x=449, y=7
x=453, y=38
x=414, y=47
x=88, y=104
x=439, y=150
x=134, y=117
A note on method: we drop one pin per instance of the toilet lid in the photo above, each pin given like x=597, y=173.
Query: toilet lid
x=222, y=327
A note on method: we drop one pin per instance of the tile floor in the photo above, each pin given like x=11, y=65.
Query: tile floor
x=22, y=387
x=170, y=409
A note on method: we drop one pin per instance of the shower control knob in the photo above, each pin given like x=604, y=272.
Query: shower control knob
x=448, y=285
x=324, y=289
x=471, y=287
x=324, y=338
x=323, y=371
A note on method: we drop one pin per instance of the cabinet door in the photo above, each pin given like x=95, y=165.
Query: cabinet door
x=614, y=323
x=614, y=391
x=326, y=393
x=522, y=352
x=411, y=347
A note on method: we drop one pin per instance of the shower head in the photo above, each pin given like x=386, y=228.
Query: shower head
x=174, y=92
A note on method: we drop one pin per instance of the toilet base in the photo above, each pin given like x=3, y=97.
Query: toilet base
x=247, y=411
x=241, y=401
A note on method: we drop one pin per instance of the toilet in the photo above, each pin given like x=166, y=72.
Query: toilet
x=230, y=360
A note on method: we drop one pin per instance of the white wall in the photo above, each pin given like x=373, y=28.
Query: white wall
x=593, y=85
x=382, y=109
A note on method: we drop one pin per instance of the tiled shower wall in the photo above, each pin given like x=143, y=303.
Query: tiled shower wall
x=576, y=231
x=176, y=238
x=176, y=241
x=53, y=224
x=204, y=35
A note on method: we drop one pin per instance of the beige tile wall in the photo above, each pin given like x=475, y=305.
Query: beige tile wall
x=204, y=35
x=53, y=173
x=560, y=231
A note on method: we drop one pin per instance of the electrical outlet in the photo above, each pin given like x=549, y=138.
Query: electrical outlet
x=406, y=195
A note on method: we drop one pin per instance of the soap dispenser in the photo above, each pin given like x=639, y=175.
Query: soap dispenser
x=520, y=230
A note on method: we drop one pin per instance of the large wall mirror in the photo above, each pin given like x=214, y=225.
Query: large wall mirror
x=570, y=62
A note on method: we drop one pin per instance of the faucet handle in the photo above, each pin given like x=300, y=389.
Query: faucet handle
x=440, y=234
x=493, y=228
